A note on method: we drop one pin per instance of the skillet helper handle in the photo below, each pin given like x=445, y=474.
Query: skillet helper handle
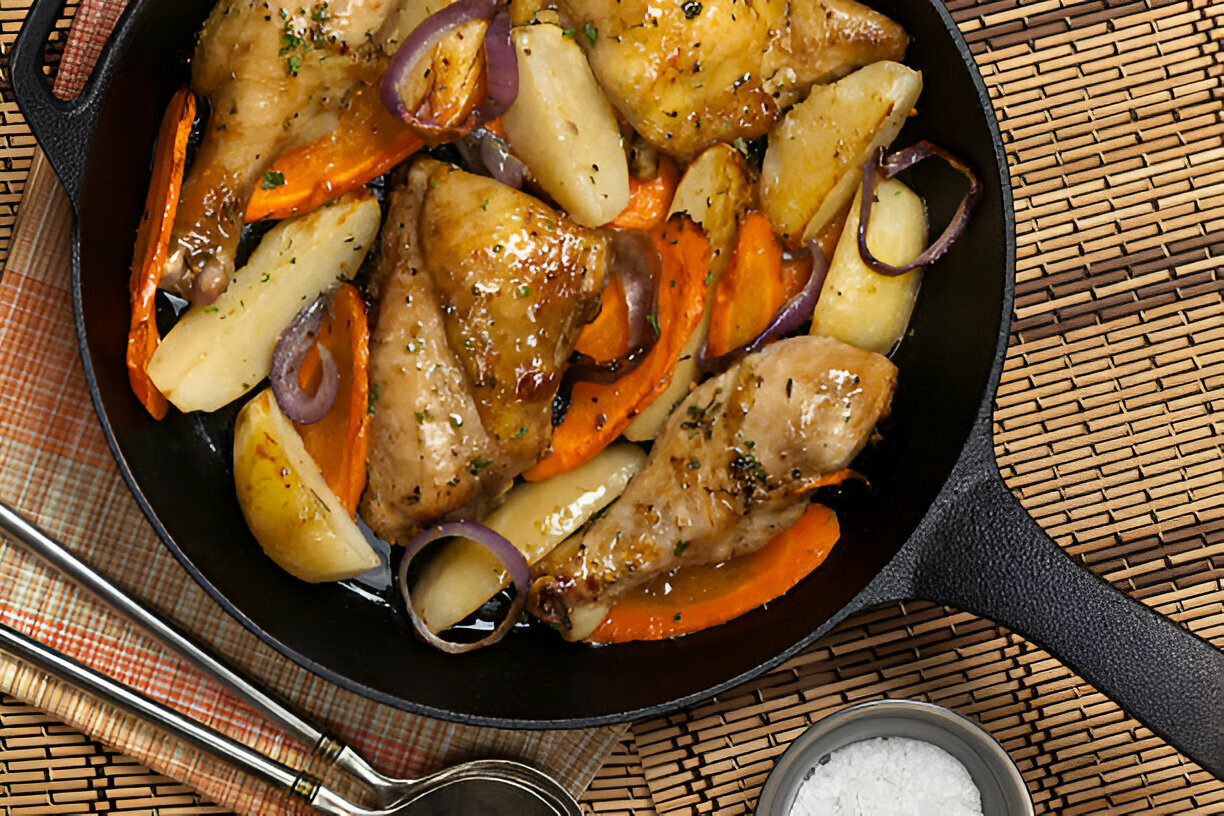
x=985, y=554
x=150, y=711
x=63, y=127
x=327, y=750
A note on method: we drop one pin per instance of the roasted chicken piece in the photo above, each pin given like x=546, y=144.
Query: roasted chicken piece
x=482, y=291
x=687, y=75
x=275, y=76
x=728, y=470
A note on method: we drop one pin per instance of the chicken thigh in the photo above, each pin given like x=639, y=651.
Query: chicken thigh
x=689, y=74
x=482, y=291
x=275, y=76
x=726, y=473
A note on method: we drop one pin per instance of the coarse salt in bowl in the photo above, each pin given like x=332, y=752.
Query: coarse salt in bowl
x=895, y=758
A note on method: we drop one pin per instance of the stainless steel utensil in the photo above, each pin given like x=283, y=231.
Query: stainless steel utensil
x=483, y=786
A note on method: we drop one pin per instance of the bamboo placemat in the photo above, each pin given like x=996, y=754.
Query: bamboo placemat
x=1107, y=427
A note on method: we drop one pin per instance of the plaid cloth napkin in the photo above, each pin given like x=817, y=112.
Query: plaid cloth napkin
x=55, y=467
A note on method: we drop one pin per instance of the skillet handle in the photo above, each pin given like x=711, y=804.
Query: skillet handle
x=980, y=551
x=63, y=127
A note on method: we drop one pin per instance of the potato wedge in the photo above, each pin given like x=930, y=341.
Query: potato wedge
x=443, y=90
x=217, y=353
x=535, y=517
x=715, y=191
x=296, y=518
x=858, y=305
x=564, y=129
x=815, y=154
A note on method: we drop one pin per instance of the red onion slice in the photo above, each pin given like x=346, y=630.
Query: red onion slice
x=502, y=165
x=291, y=349
x=494, y=542
x=502, y=66
x=636, y=263
x=792, y=314
x=421, y=41
x=879, y=167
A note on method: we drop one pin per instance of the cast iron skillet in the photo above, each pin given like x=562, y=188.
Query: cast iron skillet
x=940, y=525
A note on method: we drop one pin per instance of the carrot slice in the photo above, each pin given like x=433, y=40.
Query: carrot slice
x=338, y=441
x=649, y=200
x=702, y=596
x=368, y=142
x=498, y=129
x=751, y=290
x=607, y=336
x=598, y=413
x=153, y=245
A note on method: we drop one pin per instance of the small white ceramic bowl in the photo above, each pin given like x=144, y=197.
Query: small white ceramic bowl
x=995, y=775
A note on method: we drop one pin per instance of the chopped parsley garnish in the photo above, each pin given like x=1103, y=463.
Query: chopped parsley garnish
x=681, y=546
x=702, y=419
x=272, y=179
x=479, y=464
x=591, y=32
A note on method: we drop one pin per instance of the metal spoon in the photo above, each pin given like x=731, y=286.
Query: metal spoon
x=481, y=787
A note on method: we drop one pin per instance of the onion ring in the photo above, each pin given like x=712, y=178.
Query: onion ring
x=513, y=560
x=500, y=163
x=879, y=167
x=291, y=349
x=501, y=63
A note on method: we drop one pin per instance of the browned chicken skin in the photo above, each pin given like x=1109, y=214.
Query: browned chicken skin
x=482, y=291
x=726, y=473
x=275, y=74
x=687, y=75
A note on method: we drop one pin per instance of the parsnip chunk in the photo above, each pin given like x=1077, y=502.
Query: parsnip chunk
x=858, y=305
x=564, y=129
x=217, y=353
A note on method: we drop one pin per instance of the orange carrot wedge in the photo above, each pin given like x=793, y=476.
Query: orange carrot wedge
x=368, y=142
x=338, y=441
x=704, y=596
x=751, y=290
x=649, y=200
x=153, y=244
x=598, y=413
x=607, y=336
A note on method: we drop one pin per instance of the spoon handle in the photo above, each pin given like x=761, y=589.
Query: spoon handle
x=61, y=666
x=331, y=750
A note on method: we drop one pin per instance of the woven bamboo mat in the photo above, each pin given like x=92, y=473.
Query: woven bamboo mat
x=1107, y=427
